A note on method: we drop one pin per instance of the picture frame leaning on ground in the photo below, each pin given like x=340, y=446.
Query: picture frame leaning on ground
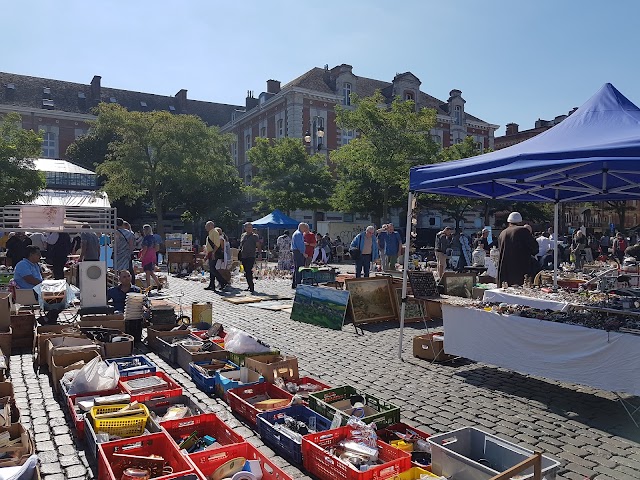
x=371, y=300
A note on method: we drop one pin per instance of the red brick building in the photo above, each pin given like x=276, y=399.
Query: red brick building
x=60, y=110
x=305, y=108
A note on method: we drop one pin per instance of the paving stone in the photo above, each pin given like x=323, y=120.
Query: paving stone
x=75, y=471
x=610, y=463
x=70, y=460
x=55, y=476
x=67, y=450
x=48, y=468
x=44, y=446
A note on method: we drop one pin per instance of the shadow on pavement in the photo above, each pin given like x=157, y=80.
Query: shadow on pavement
x=593, y=408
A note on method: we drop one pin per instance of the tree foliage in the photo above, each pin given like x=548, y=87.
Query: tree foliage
x=173, y=161
x=289, y=178
x=391, y=139
x=620, y=208
x=19, y=180
x=91, y=150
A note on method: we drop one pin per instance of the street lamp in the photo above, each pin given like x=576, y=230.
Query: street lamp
x=315, y=132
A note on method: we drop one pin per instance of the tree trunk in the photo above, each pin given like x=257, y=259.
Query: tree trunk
x=157, y=204
x=385, y=205
x=621, y=216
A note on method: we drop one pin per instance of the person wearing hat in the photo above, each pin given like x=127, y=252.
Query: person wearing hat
x=248, y=246
x=443, y=243
x=483, y=240
x=517, y=245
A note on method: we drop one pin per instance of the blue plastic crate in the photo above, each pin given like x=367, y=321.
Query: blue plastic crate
x=205, y=383
x=228, y=380
x=283, y=444
x=135, y=365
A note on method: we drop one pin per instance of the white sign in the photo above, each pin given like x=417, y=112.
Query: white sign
x=40, y=218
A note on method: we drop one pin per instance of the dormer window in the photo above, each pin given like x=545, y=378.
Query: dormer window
x=346, y=94
x=11, y=86
x=409, y=96
x=172, y=108
x=46, y=91
x=113, y=100
x=81, y=95
x=143, y=104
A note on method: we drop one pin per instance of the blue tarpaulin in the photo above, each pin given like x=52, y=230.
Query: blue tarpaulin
x=591, y=155
x=276, y=219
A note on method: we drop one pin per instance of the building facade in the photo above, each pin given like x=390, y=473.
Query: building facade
x=61, y=110
x=304, y=108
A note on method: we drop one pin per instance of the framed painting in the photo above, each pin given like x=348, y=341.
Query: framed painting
x=458, y=284
x=371, y=299
x=413, y=312
x=321, y=306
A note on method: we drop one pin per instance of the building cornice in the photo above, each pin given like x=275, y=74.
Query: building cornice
x=46, y=113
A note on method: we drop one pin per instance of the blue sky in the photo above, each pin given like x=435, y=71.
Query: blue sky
x=515, y=61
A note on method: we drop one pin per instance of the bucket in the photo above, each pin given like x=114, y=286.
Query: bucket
x=201, y=312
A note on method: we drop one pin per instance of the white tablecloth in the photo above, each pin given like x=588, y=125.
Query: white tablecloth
x=498, y=295
x=567, y=353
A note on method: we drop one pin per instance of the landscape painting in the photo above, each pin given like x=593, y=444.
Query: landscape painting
x=325, y=307
x=371, y=299
x=413, y=308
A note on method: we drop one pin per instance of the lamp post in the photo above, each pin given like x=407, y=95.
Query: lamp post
x=314, y=137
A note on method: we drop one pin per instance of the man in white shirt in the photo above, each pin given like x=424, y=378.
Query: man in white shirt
x=544, y=245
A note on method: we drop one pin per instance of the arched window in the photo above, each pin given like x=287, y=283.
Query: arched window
x=458, y=114
x=409, y=96
x=346, y=94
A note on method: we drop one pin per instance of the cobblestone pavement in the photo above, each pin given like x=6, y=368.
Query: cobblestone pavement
x=586, y=429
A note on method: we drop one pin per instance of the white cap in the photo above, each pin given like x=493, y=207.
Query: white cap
x=514, y=217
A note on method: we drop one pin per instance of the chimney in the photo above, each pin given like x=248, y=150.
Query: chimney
x=181, y=101
x=95, y=87
x=273, y=86
x=251, y=101
x=512, y=128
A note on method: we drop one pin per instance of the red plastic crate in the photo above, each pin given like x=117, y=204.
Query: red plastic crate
x=205, y=424
x=236, y=398
x=78, y=420
x=307, y=381
x=208, y=461
x=153, y=444
x=174, y=390
x=319, y=462
x=199, y=334
x=418, y=458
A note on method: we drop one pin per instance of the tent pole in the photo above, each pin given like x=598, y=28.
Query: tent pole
x=405, y=270
x=556, y=208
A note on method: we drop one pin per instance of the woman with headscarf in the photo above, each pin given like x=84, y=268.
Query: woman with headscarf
x=285, y=259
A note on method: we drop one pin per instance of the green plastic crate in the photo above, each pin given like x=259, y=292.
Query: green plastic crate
x=5, y=278
x=238, y=358
x=321, y=402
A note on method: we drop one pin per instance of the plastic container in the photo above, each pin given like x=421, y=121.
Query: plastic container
x=135, y=365
x=327, y=402
x=307, y=381
x=78, y=418
x=208, y=461
x=237, y=399
x=206, y=383
x=158, y=408
x=128, y=426
x=282, y=443
x=172, y=390
x=414, y=473
x=317, y=460
x=201, y=425
x=481, y=456
x=154, y=444
x=166, y=347
x=91, y=440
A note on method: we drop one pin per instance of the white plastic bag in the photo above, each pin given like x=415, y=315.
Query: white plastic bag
x=95, y=376
x=237, y=341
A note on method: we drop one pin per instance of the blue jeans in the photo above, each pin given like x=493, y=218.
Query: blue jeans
x=298, y=261
x=364, y=262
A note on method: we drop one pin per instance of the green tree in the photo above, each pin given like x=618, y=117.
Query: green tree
x=91, y=150
x=19, y=180
x=391, y=139
x=174, y=161
x=287, y=177
x=620, y=208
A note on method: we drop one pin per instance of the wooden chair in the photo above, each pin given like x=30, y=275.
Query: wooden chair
x=340, y=253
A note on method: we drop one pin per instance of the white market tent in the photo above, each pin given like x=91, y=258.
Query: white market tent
x=593, y=155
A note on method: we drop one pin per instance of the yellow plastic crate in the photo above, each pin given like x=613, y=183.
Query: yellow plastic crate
x=127, y=426
x=413, y=474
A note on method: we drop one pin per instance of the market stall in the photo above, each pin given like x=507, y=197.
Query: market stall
x=276, y=220
x=593, y=155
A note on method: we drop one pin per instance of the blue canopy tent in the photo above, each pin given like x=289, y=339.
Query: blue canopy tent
x=592, y=155
x=276, y=219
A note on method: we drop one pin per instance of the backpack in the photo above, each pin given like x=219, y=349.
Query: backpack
x=622, y=245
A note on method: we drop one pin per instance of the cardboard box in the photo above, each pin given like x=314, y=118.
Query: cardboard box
x=428, y=348
x=62, y=363
x=18, y=453
x=117, y=349
x=107, y=321
x=23, y=327
x=477, y=293
x=185, y=357
x=6, y=303
x=45, y=332
x=5, y=342
x=434, y=309
x=273, y=366
x=67, y=345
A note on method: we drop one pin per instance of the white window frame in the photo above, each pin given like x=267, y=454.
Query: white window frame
x=280, y=127
x=348, y=136
x=347, y=89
